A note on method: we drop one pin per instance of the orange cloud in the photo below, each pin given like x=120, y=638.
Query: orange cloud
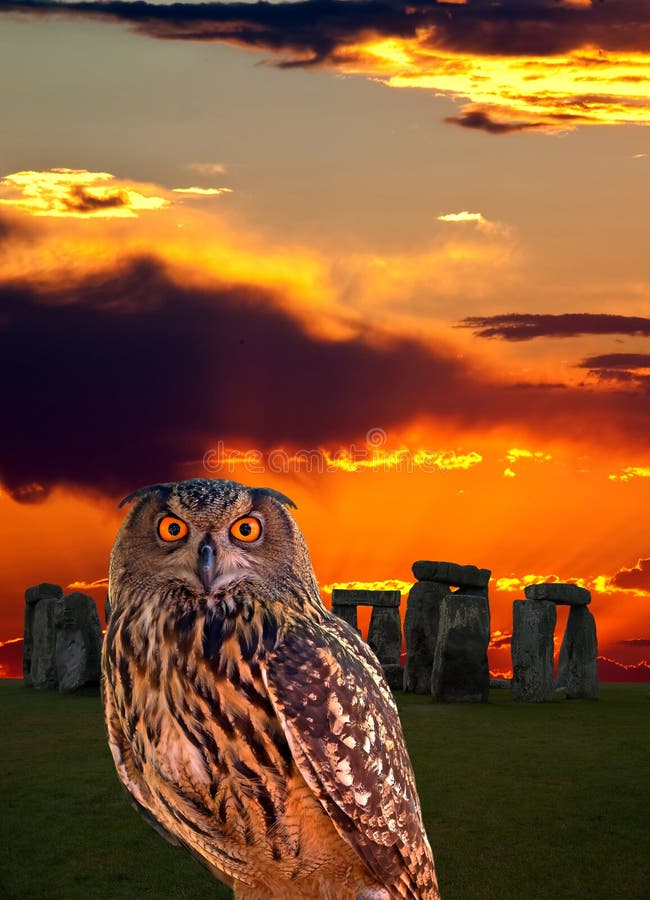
x=202, y=192
x=70, y=193
x=464, y=216
x=586, y=86
x=88, y=585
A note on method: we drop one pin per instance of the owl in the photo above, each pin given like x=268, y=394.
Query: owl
x=247, y=722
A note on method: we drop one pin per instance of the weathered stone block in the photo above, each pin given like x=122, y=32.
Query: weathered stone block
x=562, y=594
x=345, y=611
x=43, y=661
x=345, y=597
x=385, y=634
x=460, y=666
x=578, y=662
x=532, y=650
x=421, y=634
x=451, y=574
x=78, y=642
x=41, y=591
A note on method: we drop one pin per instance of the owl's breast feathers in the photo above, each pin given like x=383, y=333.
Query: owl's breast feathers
x=269, y=746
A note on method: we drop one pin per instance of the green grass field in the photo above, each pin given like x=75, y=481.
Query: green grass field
x=520, y=801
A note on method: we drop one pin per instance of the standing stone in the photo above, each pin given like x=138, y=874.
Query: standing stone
x=385, y=634
x=32, y=597
x=532, y=650
x=78, y=642
x=394, y=676
x=460, y=666
x=578, y=664
x=421, y=634
x=343, y=609
x=43, y=661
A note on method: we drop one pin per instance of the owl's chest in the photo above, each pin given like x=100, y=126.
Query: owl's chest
x=218, y=740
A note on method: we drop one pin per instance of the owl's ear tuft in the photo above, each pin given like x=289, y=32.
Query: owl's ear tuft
x=275, y=495
x=161, y=489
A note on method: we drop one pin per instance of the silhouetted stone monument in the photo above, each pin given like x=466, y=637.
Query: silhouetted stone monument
x=532, y=642
x=63, y=639
x=448, y=632
x=460, y=670
x=385, y=629
x=532, y=650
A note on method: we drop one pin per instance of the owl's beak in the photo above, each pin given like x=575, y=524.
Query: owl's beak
x=207, y=565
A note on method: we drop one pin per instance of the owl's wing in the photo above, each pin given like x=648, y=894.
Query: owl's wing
x=343, y=728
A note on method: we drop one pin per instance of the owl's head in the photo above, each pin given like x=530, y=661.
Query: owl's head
x=204, y=540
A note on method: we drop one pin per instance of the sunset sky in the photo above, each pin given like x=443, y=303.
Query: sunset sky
x=391, y=259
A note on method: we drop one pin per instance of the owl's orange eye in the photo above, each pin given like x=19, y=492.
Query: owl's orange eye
x=172, y=529
x=247, y=529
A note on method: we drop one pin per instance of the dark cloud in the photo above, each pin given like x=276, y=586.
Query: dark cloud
x=82, y=200
x=616, y=361
x=526, y=326
x=119, y=379
x=618, y=367
x=621, y=376
x=635, y=579
x=315, y=30
x=484, y=121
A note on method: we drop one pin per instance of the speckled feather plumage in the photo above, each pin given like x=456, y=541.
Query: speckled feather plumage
x=249, y=724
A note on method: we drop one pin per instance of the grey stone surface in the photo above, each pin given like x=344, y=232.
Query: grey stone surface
x=394, y=675
x=385, y=634
x=451, y=574
x=500, y=683
x=43, y=660
x=562, y=594
x=344, y=597
x=78, y=642
x=460, y=666
x=32, y=596
x=41, y=591
x=532, y=650
x=421, y=634
x=345, y=611
x=578, y=662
